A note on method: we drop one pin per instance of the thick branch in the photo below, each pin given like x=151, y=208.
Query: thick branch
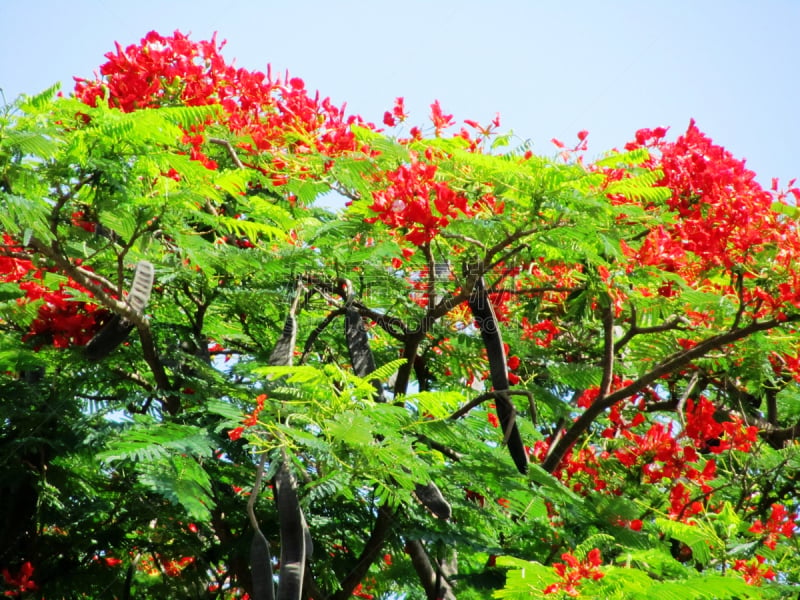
x=608, y=348
x=393, y=326
x=171, y=403
x=370, y=553
x=673, y=363
x=510, y=239
x=80, y=275
x=436, y=586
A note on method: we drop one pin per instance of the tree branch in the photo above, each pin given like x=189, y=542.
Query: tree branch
x=436, y=586
x=634, y=330
x=370, y=553
x=318, y=330
x=678, y=360
x=462, y=238
x=231, y=151
x=608, y=348
x=171, y=403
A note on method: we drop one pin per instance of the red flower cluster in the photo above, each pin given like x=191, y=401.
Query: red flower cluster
x=662, y=454
x=153, y=565
x=21, y=582
x=416, y=203
x=277, y=115
x=572, y=571
x=579, y=469
x=360, y=592
x=61, y=320
x=250, y=420
x=724, y=212
x=542, y=333
x=440, y=120
x=724, y=215
x=752, y=571
x=709, y=434
x=779, y=523
x=397, y=115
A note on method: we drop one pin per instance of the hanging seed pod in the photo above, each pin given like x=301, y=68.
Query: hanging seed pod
x=117, y=329
x=294, y=533
x=261, y=568
x=498, y=369
x=358, y=342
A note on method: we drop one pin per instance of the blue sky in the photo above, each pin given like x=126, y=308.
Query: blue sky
x=549, y=68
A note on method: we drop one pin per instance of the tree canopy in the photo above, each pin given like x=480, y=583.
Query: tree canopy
x=489, y=372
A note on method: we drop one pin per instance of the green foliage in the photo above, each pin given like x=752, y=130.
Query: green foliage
x=150, y=455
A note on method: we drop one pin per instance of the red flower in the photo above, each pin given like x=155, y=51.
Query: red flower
x=476, y=497
x=415, y=204
x=440, y=120
x=359, y=592
x=779, y=523
x=175, y=71
x=21, y=582
x=252, y=419
x=546, y=328
x=388, y=119
x=572, y=571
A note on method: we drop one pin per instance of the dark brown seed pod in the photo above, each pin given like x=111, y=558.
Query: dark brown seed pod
x=498, y=369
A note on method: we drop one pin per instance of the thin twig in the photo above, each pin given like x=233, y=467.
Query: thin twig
x=231, y=151
x=312, y=338
x=463, y=238
x=97, y=277
x=676, y=322
x=487, y=396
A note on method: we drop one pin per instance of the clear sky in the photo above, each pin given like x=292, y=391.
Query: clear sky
x=549, y=68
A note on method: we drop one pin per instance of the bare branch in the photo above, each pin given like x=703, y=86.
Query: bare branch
x=462, y=238
x=231, y=151
x=436, y=586
x=608, y=348
x=676, y=322
x=97, y=277
x=487, y=396
x=342, y=191
x=329, y=318
x=370, y=553
x=510, y=239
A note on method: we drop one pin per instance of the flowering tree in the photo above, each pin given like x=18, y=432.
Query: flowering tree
x=492, y=373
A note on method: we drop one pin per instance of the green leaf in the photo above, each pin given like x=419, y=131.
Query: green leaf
x=182, y=481
x=351, y=427
x=695, y=536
